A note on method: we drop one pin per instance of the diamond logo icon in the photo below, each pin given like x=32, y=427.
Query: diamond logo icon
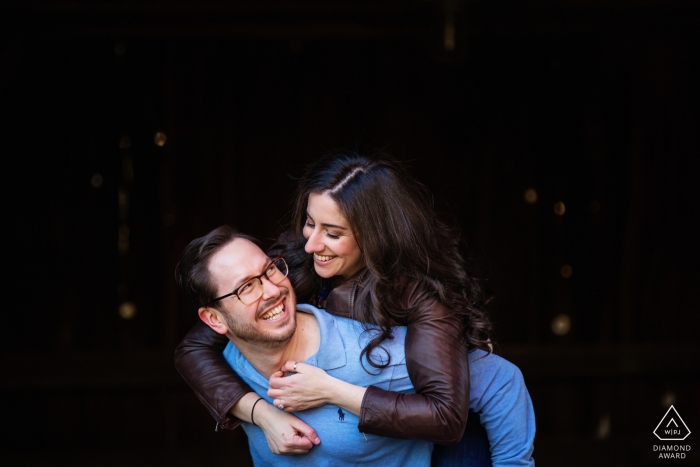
x=671, y=427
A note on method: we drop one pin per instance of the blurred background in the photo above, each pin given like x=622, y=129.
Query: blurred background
x=562, y=136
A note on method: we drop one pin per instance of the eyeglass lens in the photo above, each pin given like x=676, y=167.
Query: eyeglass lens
x=253, y=289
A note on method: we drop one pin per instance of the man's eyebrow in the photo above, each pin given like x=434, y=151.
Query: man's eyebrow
x=332, y=226
x=247, y=278
x=240, y=283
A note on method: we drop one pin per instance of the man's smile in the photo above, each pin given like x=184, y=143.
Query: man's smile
x=273, y=313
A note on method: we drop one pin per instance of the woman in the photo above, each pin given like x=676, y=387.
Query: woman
x=365, y=243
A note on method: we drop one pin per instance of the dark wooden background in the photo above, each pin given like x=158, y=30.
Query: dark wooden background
x=590, y=103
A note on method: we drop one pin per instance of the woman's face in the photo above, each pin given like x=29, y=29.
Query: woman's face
x=330, y=239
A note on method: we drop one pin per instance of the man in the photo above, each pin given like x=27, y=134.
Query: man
x=242, y=293
x=261, y=320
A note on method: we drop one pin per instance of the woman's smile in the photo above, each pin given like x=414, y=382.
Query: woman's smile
x=330, y=239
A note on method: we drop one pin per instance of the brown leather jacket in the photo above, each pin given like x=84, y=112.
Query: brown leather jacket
x=436, y=358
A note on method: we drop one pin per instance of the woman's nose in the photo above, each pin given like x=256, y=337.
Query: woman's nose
x=312, y=244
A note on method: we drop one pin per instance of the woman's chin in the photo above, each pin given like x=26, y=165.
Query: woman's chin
x=323, y=272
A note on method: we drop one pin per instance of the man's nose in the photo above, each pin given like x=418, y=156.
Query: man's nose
x=270, y=289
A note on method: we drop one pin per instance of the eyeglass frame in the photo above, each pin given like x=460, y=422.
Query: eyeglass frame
x=259, y=278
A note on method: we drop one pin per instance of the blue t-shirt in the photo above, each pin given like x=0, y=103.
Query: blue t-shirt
x=342, y=341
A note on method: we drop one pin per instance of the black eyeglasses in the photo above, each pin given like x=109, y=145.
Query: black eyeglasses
x=252, y=289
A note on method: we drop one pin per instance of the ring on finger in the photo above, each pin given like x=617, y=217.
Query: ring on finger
x=280, y=406
x=295, y=366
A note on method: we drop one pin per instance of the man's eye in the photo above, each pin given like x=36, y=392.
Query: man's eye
x=245, y=288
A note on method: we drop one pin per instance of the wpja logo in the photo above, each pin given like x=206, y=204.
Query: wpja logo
x=672, y=428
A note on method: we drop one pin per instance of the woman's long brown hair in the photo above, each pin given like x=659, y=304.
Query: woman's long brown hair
x=402, y=242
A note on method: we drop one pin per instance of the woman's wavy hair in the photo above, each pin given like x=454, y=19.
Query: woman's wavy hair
x=401, y=239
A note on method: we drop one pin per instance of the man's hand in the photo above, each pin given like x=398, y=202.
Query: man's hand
x=285, y=433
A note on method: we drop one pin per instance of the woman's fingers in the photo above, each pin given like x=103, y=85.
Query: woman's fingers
x=279, y=403
x=276, y=383
x=286, y=434
x=306, y=432
x=292, y=366
x=304, y=389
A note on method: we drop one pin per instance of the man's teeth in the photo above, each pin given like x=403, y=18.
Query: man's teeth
x=274, y=313
x=323, y=258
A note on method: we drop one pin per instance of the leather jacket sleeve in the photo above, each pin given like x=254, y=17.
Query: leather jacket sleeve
x=436, y=358
x=200, y=362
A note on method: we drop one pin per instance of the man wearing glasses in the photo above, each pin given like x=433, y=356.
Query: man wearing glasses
x=241, y=292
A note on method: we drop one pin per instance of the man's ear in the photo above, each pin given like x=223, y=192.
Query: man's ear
x=212, y=318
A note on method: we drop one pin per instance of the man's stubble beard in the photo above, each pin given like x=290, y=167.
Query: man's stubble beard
x=251, y=334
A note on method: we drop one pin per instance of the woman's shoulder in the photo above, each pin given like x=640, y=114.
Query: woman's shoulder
x=411, y=292
x=420, y=300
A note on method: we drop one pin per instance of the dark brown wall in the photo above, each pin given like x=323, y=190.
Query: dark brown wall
x=593, y=104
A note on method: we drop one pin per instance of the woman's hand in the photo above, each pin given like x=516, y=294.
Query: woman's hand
x=285, y=433
x=305, y=388
x=308, y=387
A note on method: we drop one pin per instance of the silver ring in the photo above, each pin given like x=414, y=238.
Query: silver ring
x=281, y=406
x=295, y=366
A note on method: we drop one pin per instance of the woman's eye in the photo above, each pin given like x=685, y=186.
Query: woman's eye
x=330, y=235
x=309, y=224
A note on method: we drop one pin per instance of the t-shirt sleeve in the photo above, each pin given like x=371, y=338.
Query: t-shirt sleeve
x=499, y=395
